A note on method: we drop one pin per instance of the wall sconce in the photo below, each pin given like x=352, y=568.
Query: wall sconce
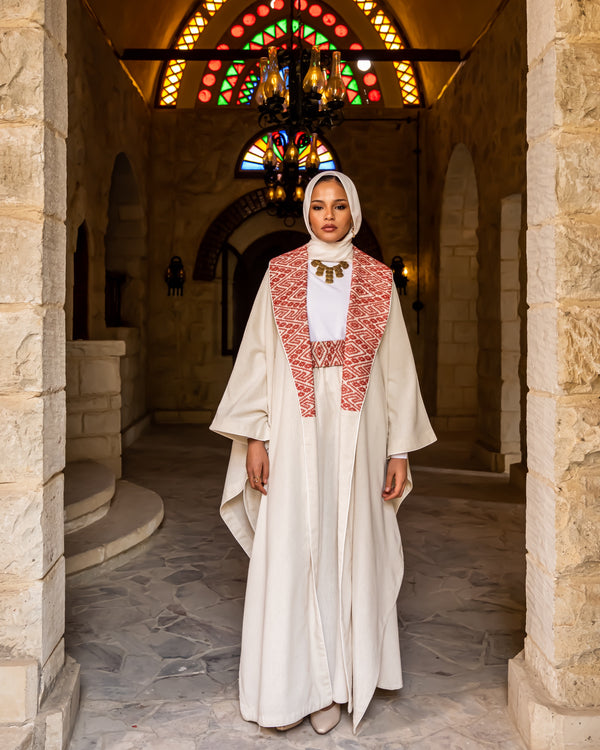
x=400, y=272
x=175, y=276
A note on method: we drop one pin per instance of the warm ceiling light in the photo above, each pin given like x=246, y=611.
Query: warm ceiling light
x=363, y=65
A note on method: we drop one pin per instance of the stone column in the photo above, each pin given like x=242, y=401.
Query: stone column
x=554, y=685
x=33, y=126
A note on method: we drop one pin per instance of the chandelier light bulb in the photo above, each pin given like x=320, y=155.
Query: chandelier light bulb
x=291, y=154
x=279, y=194
x=274, y=85
x=314, y=82
x=337, y=87
x=269, y=159
x=313, y=160
x=363, y=65
x=259, y=97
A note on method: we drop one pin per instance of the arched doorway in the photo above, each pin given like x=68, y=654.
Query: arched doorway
x=457, y=345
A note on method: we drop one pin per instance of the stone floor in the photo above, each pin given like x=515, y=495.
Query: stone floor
x=157, y=630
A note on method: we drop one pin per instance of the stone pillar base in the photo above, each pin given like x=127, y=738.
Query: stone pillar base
x=543, y=724
x=51, y=728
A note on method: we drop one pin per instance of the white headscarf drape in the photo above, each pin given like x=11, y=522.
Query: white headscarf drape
x=342, y=249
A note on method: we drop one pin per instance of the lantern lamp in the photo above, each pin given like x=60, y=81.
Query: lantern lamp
x=175, y=276
x=400, y=272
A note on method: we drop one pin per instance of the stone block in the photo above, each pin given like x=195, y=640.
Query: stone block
x=577, y=95
x=31, y=525
x=32, y=357
x=88, y=403
x=542, y=199
x=578, y=18
x=509, y=307
x=579, y=349
x=51, y=15
x=93, y=448
x=541, y=423
x=542, y=253
x=32, y=614
x=32, y=430
x=74, y=425
x=509, y=275
x=541, y=102
x=578, y=172
x=99, y=376
x=541, y=29
x=52, y=668
x=541, y=603
x=18, y=690
x=541, y=522
x=577, y=436
x=102, y=423
x=32, y=63
x=577, y=259
x=542, y=355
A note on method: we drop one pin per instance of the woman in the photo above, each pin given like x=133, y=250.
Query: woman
x=323, y=393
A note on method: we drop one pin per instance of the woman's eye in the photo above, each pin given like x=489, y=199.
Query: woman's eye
x=316, y=208
x=341, y=207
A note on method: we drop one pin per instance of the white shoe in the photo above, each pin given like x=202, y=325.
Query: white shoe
x=326, y=719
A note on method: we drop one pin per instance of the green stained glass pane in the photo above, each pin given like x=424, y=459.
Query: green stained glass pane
x=357, y=100
x=320, y=39
x=225, y=86
x=353, y=85
x=347, y=71
x=231, y=71
x=222, y=100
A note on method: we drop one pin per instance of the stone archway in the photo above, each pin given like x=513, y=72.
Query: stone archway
x=458, y=285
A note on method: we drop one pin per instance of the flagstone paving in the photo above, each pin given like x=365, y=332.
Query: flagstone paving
x=157, y=630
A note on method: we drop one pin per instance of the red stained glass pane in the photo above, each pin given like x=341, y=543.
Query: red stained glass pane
x=209, y=79
x=204, y=96
x=249, y=19
x=356, y=45
x=374, y=95
x=215, y=65
x=341, y=30
x=227, y=94
x=222, y=46
x=315, y=11
x=263, y=10
x=237, y=31
x=329, y=19
x=300, y=4
x=370, y=79
x=277, y=4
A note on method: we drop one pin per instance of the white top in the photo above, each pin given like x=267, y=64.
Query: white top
x=327, y=308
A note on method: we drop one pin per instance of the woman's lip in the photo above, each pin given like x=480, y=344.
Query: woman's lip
x=329, y=228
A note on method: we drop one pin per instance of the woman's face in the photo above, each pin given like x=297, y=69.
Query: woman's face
x=329, y=214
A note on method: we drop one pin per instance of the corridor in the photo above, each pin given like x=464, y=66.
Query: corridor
x=157, y=630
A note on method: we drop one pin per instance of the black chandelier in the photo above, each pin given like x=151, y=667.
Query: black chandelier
x=297, y=100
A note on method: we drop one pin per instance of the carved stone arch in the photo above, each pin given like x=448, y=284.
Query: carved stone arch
x=235, y=215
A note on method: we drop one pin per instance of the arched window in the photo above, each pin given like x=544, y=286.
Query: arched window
x=263, y=23
x=250, y=163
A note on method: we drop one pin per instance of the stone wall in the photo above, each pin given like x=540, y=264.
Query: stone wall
x=193, y=162
x=109, y=134
x=484, y=109
x=94, y=402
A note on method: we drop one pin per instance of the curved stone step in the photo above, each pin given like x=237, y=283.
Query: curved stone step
x=89, y=488
x=135, y=513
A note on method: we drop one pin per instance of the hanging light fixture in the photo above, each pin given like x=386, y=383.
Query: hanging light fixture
x=296, y=102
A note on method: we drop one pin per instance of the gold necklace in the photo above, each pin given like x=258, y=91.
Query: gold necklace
x=330, y=270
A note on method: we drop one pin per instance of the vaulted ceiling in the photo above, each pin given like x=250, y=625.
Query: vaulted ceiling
x=452, y=24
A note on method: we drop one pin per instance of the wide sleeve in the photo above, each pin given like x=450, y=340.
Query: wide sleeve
x=244, y=409
x=408, y=425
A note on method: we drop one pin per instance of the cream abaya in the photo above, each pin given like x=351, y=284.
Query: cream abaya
x=325, y=552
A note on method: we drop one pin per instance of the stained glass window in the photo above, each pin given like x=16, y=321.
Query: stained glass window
x=263, y=23
x=252, y=156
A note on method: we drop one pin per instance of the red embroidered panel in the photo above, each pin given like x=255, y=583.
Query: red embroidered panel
x=287, y=279
x=327, y=353
x=368, y=311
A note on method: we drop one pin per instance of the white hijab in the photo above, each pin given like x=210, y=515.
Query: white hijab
x=333, y=252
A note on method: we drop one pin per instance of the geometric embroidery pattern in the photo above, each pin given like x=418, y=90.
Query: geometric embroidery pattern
x=368, y=312
x=327, y=353
x=288, y=274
